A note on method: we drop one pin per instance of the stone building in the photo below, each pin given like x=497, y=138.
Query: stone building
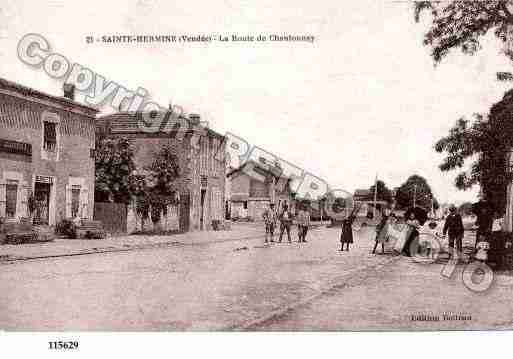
x=46, y=155
x=251, y=194
x=201, y=159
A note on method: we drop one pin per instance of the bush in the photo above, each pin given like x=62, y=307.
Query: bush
x=67, y=228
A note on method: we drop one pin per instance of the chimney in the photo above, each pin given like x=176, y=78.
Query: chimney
x=194, y=118
x=69, y=91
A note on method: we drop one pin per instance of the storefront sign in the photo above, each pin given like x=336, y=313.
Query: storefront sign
x=44, y=179
x=16, y=147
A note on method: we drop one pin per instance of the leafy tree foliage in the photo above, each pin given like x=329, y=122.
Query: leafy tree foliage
x=383, y=192
x=487, y=139
x=118, y=179
x=461, y=24
x=155, y=186
x=415, y=186
x=485, y=142
x=114, y=164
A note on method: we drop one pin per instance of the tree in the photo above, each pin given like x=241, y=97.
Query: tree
x=154, y=186
x=418, y=188
x=485, y=142
x=461, y=24
x=383, y=193
x=113, y=166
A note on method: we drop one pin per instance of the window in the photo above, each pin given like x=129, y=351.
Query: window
x=75, y=201
x=245, y=205
x=49, y=136
x=11, y=194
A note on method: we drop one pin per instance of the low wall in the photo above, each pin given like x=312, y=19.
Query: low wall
x=170, y=222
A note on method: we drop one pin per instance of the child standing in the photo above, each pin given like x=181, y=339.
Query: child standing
x=270, y=219
x=303, y=222
x=347, y=232
x=382, y=230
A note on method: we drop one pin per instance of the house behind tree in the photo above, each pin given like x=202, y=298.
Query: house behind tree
x=201, y=159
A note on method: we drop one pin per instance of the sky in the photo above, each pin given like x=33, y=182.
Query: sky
x=363, y=99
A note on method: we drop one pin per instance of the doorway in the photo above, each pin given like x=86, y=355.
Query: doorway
x=202, y=209
x=42, y=203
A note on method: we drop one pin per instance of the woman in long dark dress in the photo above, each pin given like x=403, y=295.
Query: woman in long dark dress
x=413, y=236
x=347, y=232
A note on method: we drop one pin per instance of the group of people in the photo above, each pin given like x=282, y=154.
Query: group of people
x=453, y=230
x=453, y=227
x=285, y=219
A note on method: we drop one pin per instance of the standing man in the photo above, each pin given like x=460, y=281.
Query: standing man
x=454, y=227
x=303, y=222
x=270, y=219
x=285, y=222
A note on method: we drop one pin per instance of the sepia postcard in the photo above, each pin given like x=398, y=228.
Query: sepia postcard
x=244, y=166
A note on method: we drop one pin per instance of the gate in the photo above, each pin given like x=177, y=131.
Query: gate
x=185, y=203
x=112, y=215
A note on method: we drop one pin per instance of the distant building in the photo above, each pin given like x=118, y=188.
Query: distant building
x=364, y=199
x=201, y=161
x=46, y=154
x=251, y=195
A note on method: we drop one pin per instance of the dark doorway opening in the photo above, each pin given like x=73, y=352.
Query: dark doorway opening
x=202, y=209
x=42, y=203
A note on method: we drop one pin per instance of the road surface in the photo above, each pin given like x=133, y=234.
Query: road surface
x=241, y=285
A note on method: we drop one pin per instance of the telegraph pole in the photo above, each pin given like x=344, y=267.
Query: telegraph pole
x=414, y=195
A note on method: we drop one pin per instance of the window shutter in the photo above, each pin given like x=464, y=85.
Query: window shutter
x=3, y=199
x=84, y=202
x=68, y=201
x=216, y=208
x=23, y=199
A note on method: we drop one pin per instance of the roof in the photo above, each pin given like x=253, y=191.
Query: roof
x=130, y=122
x=24, y=92
x=258, y=168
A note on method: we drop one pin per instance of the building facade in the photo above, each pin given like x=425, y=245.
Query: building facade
x=46, y=156
x=251, y=194
x=201, y=161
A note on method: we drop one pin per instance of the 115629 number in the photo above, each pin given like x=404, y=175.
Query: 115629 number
x=62, y=345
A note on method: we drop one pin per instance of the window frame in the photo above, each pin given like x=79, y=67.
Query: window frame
x=46, y=143
x=49, y=153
